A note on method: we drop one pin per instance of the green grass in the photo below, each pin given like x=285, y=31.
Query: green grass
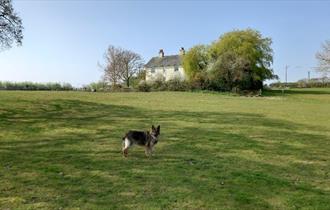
x=62, y=150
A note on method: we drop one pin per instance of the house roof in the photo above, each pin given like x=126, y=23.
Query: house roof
x=170, y=60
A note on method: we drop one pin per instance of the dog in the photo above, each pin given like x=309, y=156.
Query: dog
x=142, y=138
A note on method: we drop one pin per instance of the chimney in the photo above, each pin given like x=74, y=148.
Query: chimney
x=161, y=53
x=182, y=51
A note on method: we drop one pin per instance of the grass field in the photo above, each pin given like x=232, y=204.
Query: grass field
x=62, y=150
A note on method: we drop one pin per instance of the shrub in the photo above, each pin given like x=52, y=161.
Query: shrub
x=159, y=84
x=144, y=86
x=200, y=82
x=177, y=84
x=98, y=86
x=116, y=87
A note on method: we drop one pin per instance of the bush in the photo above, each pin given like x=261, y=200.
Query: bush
x=144, y=86
x=98, y=86
x=159, y=84
x=202, y=81
x=177, y=84
x=116, y=88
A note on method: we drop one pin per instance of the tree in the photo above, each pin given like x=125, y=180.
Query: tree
x=112, y=69
x=131, y=64
x=323, y=58
x=242, y=59
x=195, y=61
x=10, y=25
x=226, y=72
x=121, y=65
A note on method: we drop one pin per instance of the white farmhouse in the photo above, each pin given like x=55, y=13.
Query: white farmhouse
x=166, y=67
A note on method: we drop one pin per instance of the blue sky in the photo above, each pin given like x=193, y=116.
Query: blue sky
x=64, y=40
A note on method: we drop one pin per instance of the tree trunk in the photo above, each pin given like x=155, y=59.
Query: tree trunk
x=127, y=75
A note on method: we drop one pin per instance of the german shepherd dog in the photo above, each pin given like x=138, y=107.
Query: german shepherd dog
x=142, y=138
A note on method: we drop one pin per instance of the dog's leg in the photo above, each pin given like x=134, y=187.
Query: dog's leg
x=127, y=144
x=151, y=150
x=125, y=152
x=147, y=151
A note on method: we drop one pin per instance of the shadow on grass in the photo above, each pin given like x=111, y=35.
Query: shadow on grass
x=66, y=153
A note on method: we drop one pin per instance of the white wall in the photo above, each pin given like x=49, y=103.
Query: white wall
x=167, y=72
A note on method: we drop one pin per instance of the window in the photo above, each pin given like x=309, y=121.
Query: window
x=152, y=70
x=176, y=68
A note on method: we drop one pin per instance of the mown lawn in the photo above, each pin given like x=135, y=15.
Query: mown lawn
x=62, y=150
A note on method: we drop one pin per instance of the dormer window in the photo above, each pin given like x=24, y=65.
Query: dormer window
x=152, y=70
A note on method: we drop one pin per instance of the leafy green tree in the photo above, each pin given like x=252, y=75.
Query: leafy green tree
x=226, y=71
x=241, y=58
x=195, y=61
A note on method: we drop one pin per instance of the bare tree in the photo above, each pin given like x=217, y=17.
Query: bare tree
x=131, y=64
x=121, y=65
x=323, y=58
x=10, y=25
x=113, y=67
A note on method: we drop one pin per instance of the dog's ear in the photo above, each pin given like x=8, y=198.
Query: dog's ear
x=158, y=129
x=153, y=128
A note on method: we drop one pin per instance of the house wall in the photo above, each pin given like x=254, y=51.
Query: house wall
x=166, y=72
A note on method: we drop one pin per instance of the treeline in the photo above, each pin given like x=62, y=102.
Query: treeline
x=35, y=86
x=175, y=84
x=305, y=83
